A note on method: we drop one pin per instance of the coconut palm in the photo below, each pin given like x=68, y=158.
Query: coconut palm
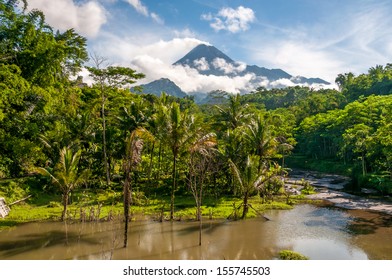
x=66, y=174
x=180, y=130
x=234, y=114
x=260, y=139
x=249, y=179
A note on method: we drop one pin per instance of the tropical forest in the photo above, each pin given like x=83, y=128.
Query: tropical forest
x=92, y=163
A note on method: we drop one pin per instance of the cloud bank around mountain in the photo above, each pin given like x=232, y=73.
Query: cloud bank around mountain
x=156, y=65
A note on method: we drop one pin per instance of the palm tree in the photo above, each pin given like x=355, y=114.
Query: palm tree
x=134, y=145
x=249, y=180
x=259, y=137
x=157, y=126
x=233, y=115
x=180, y=130
x=133, y=116
x=176, y=134
x=66, y=174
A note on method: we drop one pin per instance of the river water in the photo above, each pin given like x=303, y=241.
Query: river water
x=317, y=232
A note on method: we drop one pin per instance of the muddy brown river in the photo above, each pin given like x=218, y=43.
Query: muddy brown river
x=318, y=232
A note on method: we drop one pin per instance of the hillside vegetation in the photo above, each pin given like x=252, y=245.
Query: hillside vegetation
x=60, y=137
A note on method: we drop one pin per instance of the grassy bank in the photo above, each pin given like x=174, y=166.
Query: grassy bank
x=105, y=205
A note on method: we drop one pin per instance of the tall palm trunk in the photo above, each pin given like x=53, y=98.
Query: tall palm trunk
x=158, y=175
x=105, y=155
x=65, y=205
x=151, y=163
x=133, y=157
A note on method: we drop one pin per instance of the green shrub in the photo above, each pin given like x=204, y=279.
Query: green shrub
x=14, y=190
x=54, y=204
x=290, y=255
x=307, y=187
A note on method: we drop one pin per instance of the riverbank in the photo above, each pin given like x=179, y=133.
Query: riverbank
x=105, y=206
x=331, y=188
x=349, y=201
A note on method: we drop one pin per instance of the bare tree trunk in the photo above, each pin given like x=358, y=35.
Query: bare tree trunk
x=65, y=204
x=199, y=219
x=200, y=229
x=127, y=201
x=246, y=206
x=173, y=187
x=363, y=165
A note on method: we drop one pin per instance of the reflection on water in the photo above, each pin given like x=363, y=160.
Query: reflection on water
x=317, y=232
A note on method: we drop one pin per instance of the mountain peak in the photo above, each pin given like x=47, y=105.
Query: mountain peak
x=203, y=52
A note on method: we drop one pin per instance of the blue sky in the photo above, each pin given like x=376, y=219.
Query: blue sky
x=303, y=37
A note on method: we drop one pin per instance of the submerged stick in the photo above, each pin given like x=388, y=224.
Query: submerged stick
x=266, y=218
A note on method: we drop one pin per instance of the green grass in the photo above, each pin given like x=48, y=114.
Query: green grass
x=109, y=204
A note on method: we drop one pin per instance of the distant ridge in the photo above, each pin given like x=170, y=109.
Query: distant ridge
x=163, y=85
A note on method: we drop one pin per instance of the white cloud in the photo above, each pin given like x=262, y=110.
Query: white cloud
x=232, y=20
x=155, y=61
x=157, y=18
x=124, y=49
x=185, y=33
x=139, y=7
x=86, y=18
x=228, y=68
x=201, y=64
x=142, y=9
x=282, y=83
x=189, y=79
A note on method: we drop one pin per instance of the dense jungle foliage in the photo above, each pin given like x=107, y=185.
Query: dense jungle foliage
x=58, y=134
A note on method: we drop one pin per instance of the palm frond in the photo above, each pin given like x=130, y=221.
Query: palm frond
x=237, y=174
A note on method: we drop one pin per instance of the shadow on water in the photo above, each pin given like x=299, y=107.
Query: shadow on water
x=317, y=232
x=32, y=242
x=331, y=217
x=370, y=223
x=207, y=228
